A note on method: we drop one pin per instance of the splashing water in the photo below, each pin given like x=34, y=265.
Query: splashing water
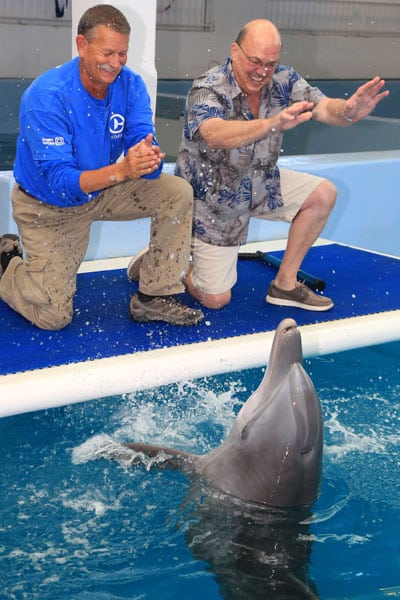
x=77, y=525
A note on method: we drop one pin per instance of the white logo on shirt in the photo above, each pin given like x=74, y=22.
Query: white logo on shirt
x=117, y=123
x=57, y=141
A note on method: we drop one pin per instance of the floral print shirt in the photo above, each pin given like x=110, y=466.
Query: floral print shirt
x=231, y=185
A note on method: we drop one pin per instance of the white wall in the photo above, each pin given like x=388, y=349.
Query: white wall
x=325, y=56
x=29, y=49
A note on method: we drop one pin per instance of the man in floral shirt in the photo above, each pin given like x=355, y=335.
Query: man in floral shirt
x=235, y=118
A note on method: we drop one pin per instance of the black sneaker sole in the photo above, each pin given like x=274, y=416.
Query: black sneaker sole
x=156, y=318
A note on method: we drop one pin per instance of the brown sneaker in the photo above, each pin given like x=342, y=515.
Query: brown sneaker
x=164, y=308
x=133, y=268
x=301, y=297
x=9, y=247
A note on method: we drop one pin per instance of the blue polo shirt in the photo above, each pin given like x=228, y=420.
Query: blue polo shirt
x=64, y=130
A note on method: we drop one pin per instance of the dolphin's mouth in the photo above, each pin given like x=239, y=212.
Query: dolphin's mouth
x=286, y=349
x=288, y=325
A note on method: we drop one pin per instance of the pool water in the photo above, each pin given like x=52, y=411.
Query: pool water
x=75, y=526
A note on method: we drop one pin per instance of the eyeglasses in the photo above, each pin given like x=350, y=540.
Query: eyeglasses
x=256, y=62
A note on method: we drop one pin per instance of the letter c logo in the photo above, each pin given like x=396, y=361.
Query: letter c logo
x=117, y=123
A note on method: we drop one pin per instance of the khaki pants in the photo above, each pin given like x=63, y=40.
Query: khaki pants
x=41, y=287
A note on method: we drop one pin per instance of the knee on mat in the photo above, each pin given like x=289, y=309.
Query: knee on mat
x=216, y=301
x=53, y=321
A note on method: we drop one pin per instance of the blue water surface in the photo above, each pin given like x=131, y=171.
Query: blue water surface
x=78, y=526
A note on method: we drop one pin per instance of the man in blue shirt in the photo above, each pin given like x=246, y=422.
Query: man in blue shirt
x=76, y=121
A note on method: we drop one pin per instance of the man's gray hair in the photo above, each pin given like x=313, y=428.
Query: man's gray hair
x=103, y=14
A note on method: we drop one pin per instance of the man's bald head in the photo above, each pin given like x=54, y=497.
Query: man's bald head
x=258, y=30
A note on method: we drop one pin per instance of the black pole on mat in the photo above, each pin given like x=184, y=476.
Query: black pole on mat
x=272, y=261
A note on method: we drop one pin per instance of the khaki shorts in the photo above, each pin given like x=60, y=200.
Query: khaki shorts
x=214, y=267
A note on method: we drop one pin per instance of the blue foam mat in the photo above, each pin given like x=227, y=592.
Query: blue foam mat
x=359, y=282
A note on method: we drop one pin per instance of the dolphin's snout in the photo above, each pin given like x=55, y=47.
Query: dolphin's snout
x=289, y=324
x=286, y=326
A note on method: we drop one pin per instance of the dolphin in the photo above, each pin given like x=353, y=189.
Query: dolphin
x=273, y=454
x=251, y=497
